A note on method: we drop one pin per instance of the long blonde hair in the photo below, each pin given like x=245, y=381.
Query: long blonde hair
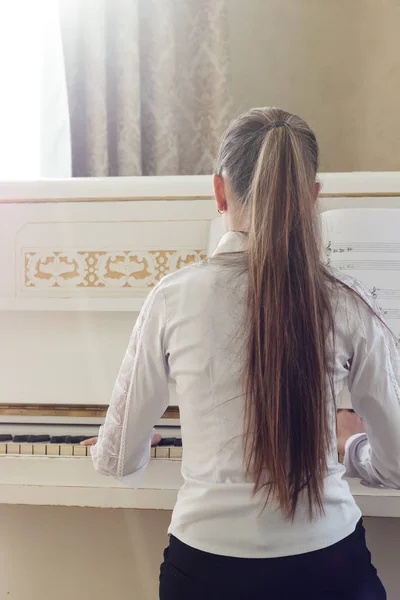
x=270, y=158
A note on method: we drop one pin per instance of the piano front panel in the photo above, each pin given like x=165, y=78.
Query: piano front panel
x=73, y=277
x=61, y=357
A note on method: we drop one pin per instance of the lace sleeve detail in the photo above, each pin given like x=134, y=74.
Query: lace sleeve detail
x=139, y=398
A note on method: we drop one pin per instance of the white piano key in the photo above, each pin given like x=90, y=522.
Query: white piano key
x=53, y=449
x=13, y=448
x=66, y=450
x=153, y=453
x=162, y=452
x=39, y=449
x=80, y=451
x=3, y=449
x=175, y=452
x=26, y=449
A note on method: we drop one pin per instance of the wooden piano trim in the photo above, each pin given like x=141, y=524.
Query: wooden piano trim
x=177, y=198
x=67, y=410
x=108, y=199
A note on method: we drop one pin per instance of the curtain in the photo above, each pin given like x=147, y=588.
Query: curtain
x=148, y=85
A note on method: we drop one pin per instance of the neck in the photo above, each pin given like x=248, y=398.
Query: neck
x=235, y=222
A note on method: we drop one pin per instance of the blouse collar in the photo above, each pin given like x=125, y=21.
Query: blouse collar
x=232, y=241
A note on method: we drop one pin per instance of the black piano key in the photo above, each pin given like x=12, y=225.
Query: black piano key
x=167, y=442
x=33, y=439
x=58, y=439
x=6, y=437
x=20, y=439
x=75, y=439
x=178, y=442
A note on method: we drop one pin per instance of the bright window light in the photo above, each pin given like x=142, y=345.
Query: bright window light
x=32, y=83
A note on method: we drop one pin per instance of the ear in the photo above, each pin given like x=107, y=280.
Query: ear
x=219, y=192
x=317, y=190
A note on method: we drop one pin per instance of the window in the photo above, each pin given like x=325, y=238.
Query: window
x=34, y=127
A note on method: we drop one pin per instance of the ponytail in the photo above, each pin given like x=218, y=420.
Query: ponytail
x=287, y=418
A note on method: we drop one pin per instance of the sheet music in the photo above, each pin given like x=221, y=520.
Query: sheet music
x=365, y=244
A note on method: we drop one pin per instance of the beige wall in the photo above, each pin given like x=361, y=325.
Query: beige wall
x=101, y=554
x=334, y=62
x=56, y=553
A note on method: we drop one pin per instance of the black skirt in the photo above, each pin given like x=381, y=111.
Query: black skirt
x=340, y=572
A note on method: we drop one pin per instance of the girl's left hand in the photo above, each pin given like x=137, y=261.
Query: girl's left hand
x=91, y=442
x=155, y=440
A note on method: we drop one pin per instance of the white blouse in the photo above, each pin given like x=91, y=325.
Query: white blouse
x=189, y=331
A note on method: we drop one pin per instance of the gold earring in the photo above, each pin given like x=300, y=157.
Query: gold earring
x=220, y=212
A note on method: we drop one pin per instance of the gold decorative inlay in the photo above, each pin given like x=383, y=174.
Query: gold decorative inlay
x=103, y=269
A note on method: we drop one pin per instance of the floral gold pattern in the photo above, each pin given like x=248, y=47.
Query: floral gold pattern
x=101, y=269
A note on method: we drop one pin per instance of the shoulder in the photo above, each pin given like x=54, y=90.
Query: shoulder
x=172, y=287
x=196, y=273
x=354, y=303
x=349, y=287
x=198, y=289
x=354, y=293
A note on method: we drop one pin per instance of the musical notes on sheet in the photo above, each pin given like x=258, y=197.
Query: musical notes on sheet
x=386, y=294
x=335, y=251
x=339, y=248
x=365, y=265
x=391, y=313
x=335, y=258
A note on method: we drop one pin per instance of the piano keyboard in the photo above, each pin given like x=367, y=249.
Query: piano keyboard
x=168, y=448
x=70, y=446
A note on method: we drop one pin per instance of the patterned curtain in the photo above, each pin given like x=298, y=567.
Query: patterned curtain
x=148, y=85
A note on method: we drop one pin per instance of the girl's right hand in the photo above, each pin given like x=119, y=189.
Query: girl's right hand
x=348, y=424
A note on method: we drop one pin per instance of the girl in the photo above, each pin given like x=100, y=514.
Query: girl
x=258, y=340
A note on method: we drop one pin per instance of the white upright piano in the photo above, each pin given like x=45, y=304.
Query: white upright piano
x=77, y=259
